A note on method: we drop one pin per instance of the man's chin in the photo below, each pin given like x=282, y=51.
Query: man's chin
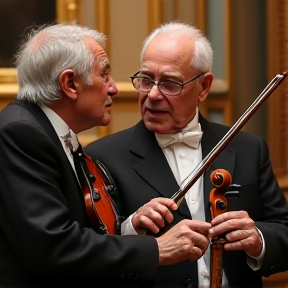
x=155, y=127
x=106, y=121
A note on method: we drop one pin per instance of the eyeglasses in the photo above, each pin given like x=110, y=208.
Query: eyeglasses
x=166, y=87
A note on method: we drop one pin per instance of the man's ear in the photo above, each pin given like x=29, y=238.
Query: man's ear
x=206, y=86
x=67, y=84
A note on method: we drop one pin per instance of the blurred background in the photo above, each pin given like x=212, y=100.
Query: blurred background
x=249, y=39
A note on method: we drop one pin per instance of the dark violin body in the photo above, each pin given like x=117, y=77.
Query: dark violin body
x=97, y=189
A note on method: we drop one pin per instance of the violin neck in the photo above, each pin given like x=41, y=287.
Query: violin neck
x=216, y=267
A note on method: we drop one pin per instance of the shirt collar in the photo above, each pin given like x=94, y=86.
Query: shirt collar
x=59, y=125
x=194, y=124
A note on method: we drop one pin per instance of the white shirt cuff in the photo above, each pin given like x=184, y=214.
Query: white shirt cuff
x=255, y=263
x=127, y=228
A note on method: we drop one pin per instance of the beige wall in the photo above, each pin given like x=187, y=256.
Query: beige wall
x=128, y=28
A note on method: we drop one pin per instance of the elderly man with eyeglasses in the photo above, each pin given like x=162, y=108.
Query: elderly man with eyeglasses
x=154, y=158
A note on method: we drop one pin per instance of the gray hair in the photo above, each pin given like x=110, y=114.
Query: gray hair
x=202, y=59
x=46, y=53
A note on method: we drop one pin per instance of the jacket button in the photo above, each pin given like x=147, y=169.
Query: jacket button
x=188, y=283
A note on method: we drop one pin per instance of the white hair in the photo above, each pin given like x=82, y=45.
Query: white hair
x=46, y=53
x=202, y=59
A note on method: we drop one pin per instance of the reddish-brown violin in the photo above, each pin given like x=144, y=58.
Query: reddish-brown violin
x=98, y=186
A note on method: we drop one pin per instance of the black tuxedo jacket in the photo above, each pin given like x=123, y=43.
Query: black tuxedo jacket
x=46, y=239
x=141, y=172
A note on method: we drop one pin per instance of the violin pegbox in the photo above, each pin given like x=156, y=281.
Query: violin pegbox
x=222, y=180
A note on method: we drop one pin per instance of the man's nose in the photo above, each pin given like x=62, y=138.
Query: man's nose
x=112, y=89
x=154, y=92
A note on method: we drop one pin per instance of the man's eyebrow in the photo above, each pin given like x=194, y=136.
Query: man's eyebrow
x=104, y=64
x=166, y=75
x=146, y=73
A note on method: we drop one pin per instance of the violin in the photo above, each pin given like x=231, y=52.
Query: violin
x=221, y=179
x=97, y=188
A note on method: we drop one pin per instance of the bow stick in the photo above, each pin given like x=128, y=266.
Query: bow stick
x=210, y=158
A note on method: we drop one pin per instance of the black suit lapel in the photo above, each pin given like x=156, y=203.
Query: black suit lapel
x=151, y=165
x=150, y=162
x=41, y=118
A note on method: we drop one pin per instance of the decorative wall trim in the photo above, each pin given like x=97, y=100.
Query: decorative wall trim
x=277, y=24
x=69, y=11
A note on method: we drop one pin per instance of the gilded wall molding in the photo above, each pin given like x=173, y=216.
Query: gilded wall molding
x=277, y=24
x=155, y=13
x=102, y=16
x=69, y=11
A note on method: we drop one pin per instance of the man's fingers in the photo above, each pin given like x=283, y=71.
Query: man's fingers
x=198, y=226
x=169, y=216
x=196, y=251
x=158, y=211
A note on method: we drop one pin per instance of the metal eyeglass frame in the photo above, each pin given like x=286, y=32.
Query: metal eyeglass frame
x=157, y=83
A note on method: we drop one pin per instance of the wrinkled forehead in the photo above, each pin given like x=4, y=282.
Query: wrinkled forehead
x=99, y=53
x=178, y=44
x=169, y=54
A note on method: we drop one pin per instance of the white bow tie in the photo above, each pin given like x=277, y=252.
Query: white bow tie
x=191, y=139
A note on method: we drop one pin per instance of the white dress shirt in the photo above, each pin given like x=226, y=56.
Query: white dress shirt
x=183, y=160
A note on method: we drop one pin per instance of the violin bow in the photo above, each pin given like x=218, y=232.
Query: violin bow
x=210, y=158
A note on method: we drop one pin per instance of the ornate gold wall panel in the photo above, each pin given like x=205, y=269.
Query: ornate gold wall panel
x=218, y=106
x=277, y=43
x=8, y=86
x=277, y=24
x=102, y=16
x=69, y=11
x=155, y=15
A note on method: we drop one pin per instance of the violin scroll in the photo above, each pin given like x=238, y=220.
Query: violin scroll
x=221, y=179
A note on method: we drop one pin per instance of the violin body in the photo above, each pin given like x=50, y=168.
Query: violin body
x=98, y=185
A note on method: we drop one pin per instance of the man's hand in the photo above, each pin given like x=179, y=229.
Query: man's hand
x=240, y=231
x=188, y=239
x=152, y=215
